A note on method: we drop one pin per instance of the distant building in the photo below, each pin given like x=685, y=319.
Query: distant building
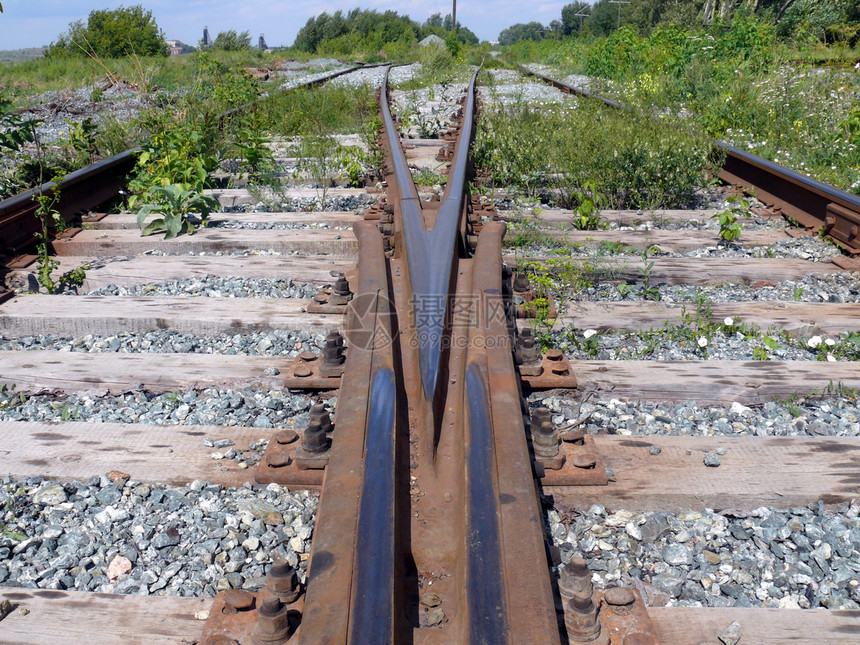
x=177, y=47
x=261, y=44
x=205, y=42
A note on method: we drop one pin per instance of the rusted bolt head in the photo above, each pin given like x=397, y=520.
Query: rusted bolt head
x=578, y=566
x=284, y=437
x=272, y=622
x=277, y=460
x=284, y=581
x=560, y=370
x=237, y=600
x=582, y=604
x=302, y=371
x=321, y=297
x=554, y=355
x=584, y=461
x=619, y=596
x=307, y=356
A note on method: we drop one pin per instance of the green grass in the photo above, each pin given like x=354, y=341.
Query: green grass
x=742, y=86
x=20, y=81
x=325, y=109
x=552, y=152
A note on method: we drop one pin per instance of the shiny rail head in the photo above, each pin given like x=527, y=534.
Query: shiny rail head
x=430, y=253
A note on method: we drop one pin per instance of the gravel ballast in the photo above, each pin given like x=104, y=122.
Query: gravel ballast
x=113, y=535
x=824, y=416
x=280, y=342
x=214, y=287
x=788, y=558
x=246, y=407
x=832, y=287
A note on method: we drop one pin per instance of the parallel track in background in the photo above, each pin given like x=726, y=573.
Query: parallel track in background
x=811, y=203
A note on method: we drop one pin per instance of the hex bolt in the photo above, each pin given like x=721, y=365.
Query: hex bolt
x=332, y=352
x=341, y=286
x=575, y=579
x=340, y=293
x=528, y=350
x=545, y=437
x=580, y=618
x=272, y=625
x=283, y=582
x=314, y=440
x=545, y=440
x=538, y=417
x=319, y=417
x=521, y=282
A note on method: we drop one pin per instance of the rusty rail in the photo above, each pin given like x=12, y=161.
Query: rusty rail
x=429, y=528
x=813, y=204
x=453, y=414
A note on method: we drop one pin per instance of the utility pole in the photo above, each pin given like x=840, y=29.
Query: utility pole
x=454, y=16
x=619, y=3
x=581, y=16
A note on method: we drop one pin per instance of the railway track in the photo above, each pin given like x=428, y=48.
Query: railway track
x=444, y=469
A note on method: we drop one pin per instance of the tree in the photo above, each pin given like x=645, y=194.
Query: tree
x=520, y=31
x=230, y=41
x=111, y=34
x=604, y=17
x=569, y=20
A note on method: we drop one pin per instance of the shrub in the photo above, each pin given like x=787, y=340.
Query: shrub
x=112, y=33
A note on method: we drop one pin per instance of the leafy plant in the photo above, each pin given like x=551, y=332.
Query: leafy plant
x=556, y=282
x=318, y=156
x=586, y=215
x=174, y=203
x=730, y=229
x=82, y=141
x=649, y=292
x=352, y=162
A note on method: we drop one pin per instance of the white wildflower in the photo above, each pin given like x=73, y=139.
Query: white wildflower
x=814, y=342
x=588, y=333
x=830, y=342
x=831, y=358
x=703, y=342
x=728, y=322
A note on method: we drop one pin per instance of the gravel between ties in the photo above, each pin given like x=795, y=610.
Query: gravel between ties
x=789, y=558
x=214, y=287
x=813, y=416
x=120, y=536
x=279, y=342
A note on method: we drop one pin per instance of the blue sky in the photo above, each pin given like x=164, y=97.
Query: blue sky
x=33, y=23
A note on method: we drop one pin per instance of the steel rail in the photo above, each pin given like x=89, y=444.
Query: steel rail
x=811, y=203
x=429, y=252
x=462, y=514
